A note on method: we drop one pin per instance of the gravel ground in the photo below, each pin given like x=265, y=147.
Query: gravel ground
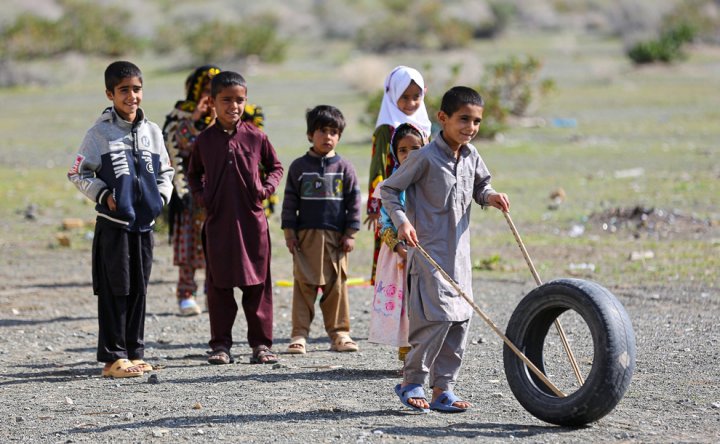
x=52, y=390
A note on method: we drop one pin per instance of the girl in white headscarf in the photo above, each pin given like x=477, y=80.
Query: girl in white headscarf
x=403, y=102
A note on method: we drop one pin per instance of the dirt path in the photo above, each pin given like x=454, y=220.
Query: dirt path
x=52, y=391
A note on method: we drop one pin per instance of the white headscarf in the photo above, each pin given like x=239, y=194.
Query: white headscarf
x=395, y=85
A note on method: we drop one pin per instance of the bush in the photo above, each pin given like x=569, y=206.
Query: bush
x=31, y=36
x=221, y=41
x=84, y=27
x=687, y=21
x=513, y=83
x=667, y=48
x=413, y=25
x=503, y=12
x=703, y=16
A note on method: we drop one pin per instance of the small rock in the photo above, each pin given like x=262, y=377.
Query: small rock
x=197, y=406
x=129, y=416
x=160, y=433
x=629, y=173
x=199, y=432
x=576, y=268
x=69, y=401
x=715, y=405
x=641, y=255
x=19, y=419
x=576, y=230
x=31, y=212
x=558, y=195
x=72, y=222
x=63, y=239
x=152, y=379
x=378, y=432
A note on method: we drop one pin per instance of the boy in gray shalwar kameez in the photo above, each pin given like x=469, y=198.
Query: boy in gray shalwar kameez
x=441, y=180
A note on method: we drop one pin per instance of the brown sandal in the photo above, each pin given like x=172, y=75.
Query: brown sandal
x=220, y=357
x=263, y=355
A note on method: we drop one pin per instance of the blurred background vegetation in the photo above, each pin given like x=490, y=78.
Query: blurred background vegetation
x=594, y=107
x=192, y=33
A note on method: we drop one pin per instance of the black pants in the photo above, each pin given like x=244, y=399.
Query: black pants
x=121, y=267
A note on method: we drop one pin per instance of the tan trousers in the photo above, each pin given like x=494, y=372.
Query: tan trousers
x=333, y=304
x=322, y=264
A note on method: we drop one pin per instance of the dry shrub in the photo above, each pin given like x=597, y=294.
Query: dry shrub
x=365, y=73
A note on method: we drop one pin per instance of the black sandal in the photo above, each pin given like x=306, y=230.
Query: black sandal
x=263, y=355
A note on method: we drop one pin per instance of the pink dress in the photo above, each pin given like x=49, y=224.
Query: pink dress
x=388, y=318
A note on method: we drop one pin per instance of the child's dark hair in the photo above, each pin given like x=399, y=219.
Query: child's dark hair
x=405, y=129
x=117, y=71
x=225, y=79
x=324, y=116
x=458, y=96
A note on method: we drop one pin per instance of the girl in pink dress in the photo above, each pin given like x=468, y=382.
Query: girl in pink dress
x=388, y=318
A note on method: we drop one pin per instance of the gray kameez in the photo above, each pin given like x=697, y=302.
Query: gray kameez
x=439, y=193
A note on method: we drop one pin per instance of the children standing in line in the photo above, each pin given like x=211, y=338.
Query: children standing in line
x=402, y=103
x=320, y=216
x=187, y=119
x=388, y=318
x=224, y=177
x=440, y=180
x=124, y=168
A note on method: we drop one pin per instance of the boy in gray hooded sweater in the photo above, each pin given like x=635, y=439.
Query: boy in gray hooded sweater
x=123, y=167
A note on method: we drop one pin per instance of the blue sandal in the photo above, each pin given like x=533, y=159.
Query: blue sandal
x=444, y=403
x=411, y=391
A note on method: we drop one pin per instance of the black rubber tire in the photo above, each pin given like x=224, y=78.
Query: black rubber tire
x=613, y=351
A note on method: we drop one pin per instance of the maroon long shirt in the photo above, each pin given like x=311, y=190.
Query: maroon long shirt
x=224, y=177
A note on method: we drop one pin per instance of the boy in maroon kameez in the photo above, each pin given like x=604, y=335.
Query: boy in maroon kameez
x=224, y=177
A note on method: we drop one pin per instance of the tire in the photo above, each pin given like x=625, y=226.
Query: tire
x=613, y=351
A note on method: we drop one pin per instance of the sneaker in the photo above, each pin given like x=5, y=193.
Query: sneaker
x=188, y=307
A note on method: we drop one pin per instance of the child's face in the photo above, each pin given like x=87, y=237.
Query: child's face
x=229, y=105
x=410, y=142
x=126, y=97
x=411, y=99
x=460, y=128
x=324, y=140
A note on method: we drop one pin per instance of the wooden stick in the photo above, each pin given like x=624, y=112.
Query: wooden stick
x=492, y=325
x=558, y=327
